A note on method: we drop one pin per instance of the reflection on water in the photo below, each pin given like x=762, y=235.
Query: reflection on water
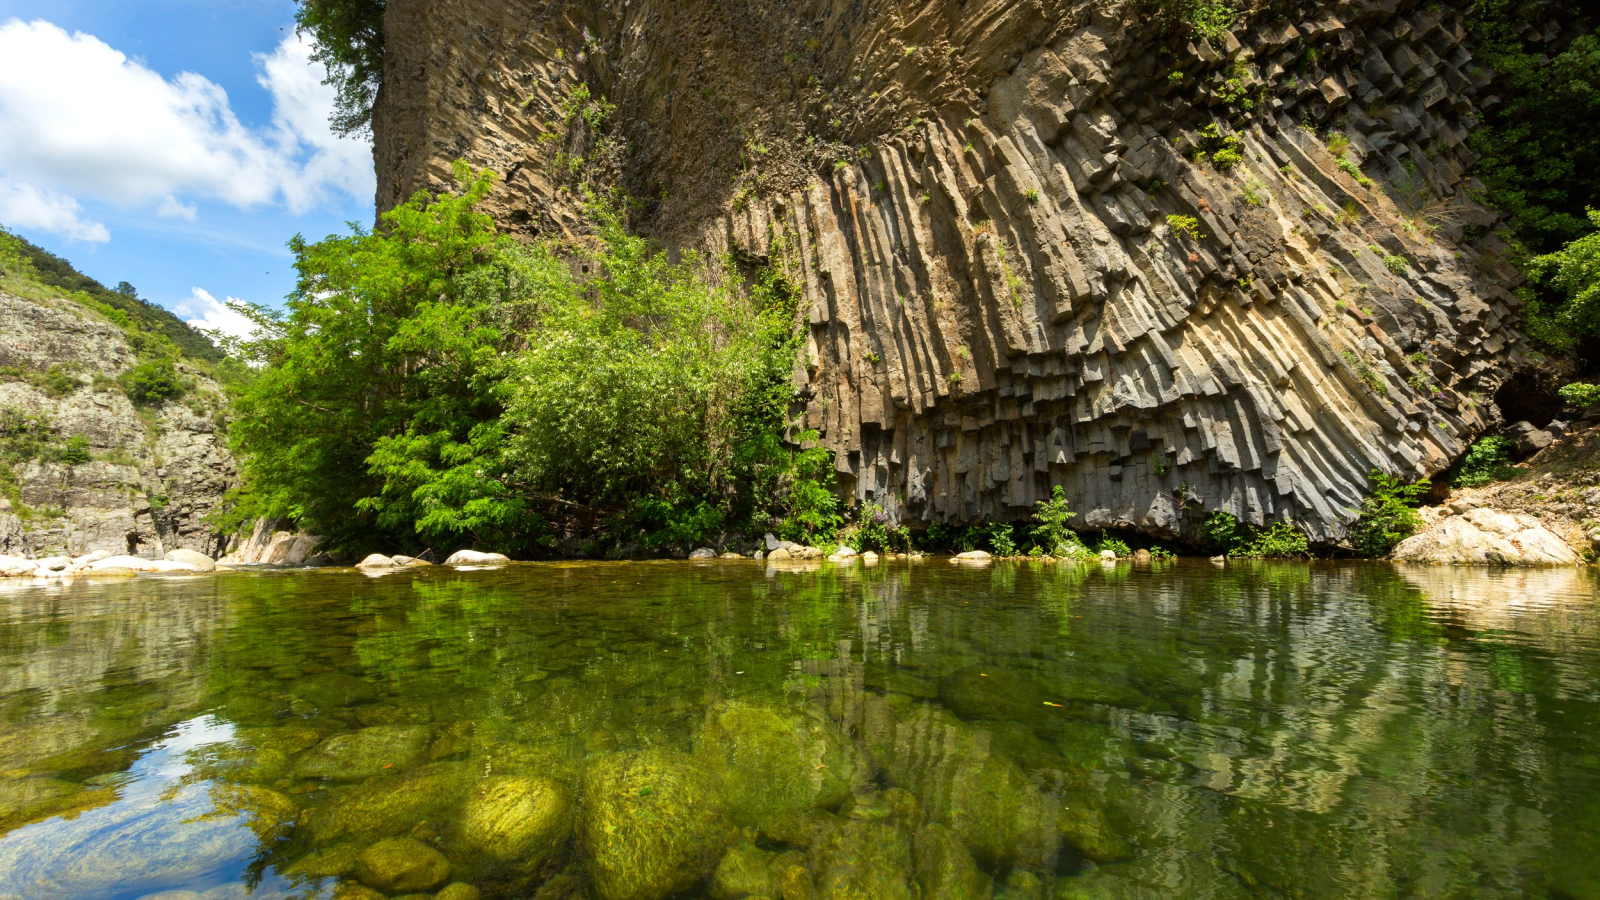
x=642, y=730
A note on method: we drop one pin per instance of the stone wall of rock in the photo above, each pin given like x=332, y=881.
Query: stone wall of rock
x=1028, y=256
x=155, y=474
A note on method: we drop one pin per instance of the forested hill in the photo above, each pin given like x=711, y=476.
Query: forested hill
x=54, y=271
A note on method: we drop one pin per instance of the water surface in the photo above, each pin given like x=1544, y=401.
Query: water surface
x=818, y=731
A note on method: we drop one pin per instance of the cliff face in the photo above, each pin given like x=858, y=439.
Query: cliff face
x=1040, y=243
x=154, y=473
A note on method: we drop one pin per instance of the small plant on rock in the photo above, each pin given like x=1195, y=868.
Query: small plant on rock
x=1581, y=395
x=1488, y=461
x=1188, y=226
x=1050, y=529
x=1387, y=516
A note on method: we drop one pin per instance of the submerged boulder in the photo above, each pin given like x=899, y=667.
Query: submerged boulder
x=777, y=765
x=944, y=868
x=653, y=824
x=863, y=860
x=382, y=749
x=517, y=821
x=402, y=866
x=962, y=782
x=745, y=871
x=389, y=806
x=1487, y=537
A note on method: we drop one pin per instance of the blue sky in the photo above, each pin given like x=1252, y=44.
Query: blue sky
x=174, y=144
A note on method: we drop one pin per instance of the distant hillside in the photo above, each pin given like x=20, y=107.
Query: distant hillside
x=54, y=271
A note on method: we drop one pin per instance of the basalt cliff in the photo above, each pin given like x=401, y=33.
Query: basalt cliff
x=1040, y=243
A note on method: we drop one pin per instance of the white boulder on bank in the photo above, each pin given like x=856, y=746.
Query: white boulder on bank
x=200, y=561
x=475, y=558
x=140, y=564
x=1487, y=537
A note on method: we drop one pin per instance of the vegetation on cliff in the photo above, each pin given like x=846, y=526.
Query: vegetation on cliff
x=433, y=382
x=349, y=43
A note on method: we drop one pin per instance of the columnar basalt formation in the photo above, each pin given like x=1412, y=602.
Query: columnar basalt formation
x=1038, y=244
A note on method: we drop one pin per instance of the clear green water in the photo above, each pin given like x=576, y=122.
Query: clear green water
x=901, y=731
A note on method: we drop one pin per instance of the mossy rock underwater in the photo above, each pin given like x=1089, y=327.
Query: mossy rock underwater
x=513, y=824
x=653, y=823
x=778, y=765
x=962, y=781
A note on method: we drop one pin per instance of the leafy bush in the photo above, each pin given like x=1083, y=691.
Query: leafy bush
x=1487, y=461
x=1107, y=542
x=1050, y=528
x=1000, y=539
x=56, y=382
x=1574, y=272
x=153, y=381
x=1387, y=516
x=434, y=381
x=1280, y=540
x=1208, y=19
x=1581, y=395
x=76, y=451
x=1185, y=225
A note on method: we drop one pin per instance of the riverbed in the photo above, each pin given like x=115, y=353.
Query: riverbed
x=803, y=731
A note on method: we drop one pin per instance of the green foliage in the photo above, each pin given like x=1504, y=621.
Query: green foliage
x=1387, y=516
x=1396, y=264
x=1365, y=373
x=154, y=381
x=1581, y=395
x=348, y=35
x=55, y=382
x=1487, y=461
x=76, y=450
x=1223, y=149
x=434, y=381
x=1540, y=151
x=1280, y=540
x=581, y=104
x=1574, y=273
x=1185, y=225
x=1115, y=545
x=1050, y=528
x=1000, y=538
x=1208, y=19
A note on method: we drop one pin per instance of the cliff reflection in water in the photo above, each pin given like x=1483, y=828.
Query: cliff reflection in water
x=1016, y=731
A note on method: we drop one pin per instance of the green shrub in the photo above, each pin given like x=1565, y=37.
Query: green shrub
x=1115, y=545
x=1387, y=516
x=1396, y=264
x=1581, y=395
x=1050, y=529
x=1574, y=273
x=76, y=451
x=1000, y=539
x=1487, y=461
x=1208, y=19
x=153, y=381
x=1185, y=225
x=1280, y=540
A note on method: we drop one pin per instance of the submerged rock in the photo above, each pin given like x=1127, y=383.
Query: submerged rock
x=517, y=821
x=865, y=861
x=402, y=865
x=389, y=806
x=777, y=765
x=1487, y=537
x=944, y=868
x=652, y=824
x=745, y=870
x=962, y=781
x=1085, y=827
x=458, y=891
x=362, y=754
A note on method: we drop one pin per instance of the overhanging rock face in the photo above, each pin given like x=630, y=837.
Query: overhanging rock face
x=1025, y=258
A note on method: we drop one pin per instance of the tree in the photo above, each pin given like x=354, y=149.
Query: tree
x=126, y=290
x=1574, y=272
x=349, y=42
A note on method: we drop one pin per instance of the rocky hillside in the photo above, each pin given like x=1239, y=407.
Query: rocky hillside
x=84, y=468
x=1040, y=244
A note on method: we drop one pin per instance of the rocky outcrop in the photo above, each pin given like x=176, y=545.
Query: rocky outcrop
x=1487, y=537
x=153, y=474
x=1037, y=244
x=271, y=542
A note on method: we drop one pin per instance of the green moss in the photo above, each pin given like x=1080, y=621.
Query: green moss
x=653, y=824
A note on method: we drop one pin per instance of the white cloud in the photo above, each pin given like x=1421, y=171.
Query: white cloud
x=83, y=120
x=25, y=206
x=211, y=315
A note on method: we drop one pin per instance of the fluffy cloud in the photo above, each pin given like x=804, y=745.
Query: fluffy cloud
x=25, y=206
x=209, y=314
x=83, y=120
